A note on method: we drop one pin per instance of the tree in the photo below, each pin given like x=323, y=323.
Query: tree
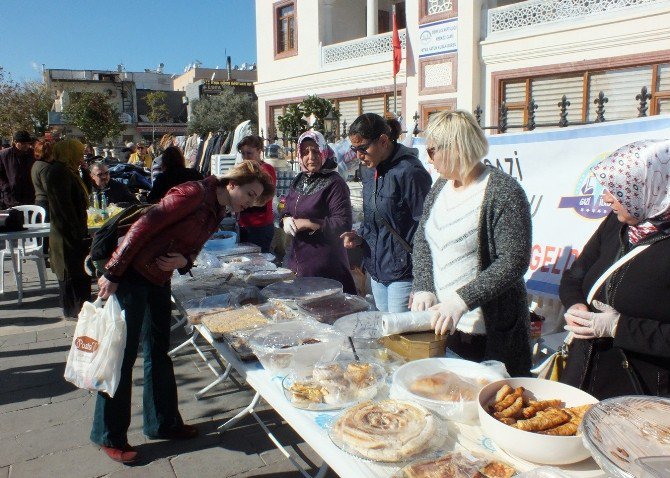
x=94, y=116
x=293, y=123
x=319, y=108
x=23, y=106
x=224, y=111
x=158, y=109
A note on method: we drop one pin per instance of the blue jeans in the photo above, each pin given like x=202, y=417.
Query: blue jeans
x=393, y=297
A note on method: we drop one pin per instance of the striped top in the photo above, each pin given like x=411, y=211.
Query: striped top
x=452, y=234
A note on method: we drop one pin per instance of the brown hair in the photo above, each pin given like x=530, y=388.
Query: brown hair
x=173, y=159
x=252, y=141
x=43, y=149
x=370, y=126
x=248, y=172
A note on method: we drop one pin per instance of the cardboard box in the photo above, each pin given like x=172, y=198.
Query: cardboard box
x=416, y=345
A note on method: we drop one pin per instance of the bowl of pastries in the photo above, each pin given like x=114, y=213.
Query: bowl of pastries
x=534, y=419
x=334, y=385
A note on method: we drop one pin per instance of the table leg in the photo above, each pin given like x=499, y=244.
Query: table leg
x=247, y=410
x=220, y=378
x=16, y=267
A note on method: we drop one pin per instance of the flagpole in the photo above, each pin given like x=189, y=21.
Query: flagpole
x=395, y=87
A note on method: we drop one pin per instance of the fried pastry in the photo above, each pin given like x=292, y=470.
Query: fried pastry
x=566, y=430
x=508, y=400
x=534, y=407
x=511, y=411
x=503, y=392
x=549, y=418
x=359, y=373
x=496, y=469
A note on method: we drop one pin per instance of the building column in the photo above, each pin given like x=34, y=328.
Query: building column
x=372, y=17
x=327, y=22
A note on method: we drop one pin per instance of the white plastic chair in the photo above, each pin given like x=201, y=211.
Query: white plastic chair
x=27, y=249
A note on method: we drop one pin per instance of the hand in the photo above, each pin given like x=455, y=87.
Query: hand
x=591, y=325
x=447, y=314
x=422, y=301
x=171, y=261
x=289, y=226
x=306, y=225
x=106, y=287
x=351, y=239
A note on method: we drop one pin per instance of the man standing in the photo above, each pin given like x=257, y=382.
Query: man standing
x=16, y=185
x=115, y=191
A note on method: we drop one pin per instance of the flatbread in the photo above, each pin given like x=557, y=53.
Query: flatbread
x=389, y=431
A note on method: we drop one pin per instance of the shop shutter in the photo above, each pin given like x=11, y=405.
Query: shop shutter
x=348, y=112
x=620, y=88
x=547, y=93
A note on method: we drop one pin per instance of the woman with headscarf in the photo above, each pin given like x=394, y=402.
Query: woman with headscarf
x=68, y=201
x=621, y=340
x=317, y=211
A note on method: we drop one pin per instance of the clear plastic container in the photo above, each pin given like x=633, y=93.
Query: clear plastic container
x=330, y=308
x=295, y=346
x=302, y=288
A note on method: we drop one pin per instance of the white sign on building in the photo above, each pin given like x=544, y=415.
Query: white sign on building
x=438, y=38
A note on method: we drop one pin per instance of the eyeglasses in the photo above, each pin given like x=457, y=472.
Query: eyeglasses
x=363, y=149
x=101, y=175
x=431, y=151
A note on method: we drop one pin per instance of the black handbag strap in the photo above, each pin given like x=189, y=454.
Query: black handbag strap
x=405, y=245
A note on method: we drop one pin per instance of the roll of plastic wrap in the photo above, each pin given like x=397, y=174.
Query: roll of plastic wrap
x=397, y=323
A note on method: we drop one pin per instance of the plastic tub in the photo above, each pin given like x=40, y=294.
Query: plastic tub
x=302, y=288
x=221, y=241
x=330, y=308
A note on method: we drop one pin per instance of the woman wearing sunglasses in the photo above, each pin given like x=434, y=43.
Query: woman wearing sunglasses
x=394, y=188
x=472, y=249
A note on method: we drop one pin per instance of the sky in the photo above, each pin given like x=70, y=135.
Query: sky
x=101, y=34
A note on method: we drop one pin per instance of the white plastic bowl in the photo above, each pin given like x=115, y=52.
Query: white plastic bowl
x=533, y=447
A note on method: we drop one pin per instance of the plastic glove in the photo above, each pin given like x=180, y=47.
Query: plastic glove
x=591, y=325
x=447, y=314
x=423, y=301
x=289, y=226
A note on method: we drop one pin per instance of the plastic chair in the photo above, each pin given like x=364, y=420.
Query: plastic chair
x=27, y=249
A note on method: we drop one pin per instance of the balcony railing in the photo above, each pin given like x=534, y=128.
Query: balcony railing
x=56, y=118
x=361, y=50
x=536, y=12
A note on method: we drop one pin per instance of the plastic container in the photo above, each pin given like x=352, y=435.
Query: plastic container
x=361, y=325
x=465, y=379
x=262, y=278
x=221, y=241
x=620, y=431
x=453, y=464
x=330, y=308
x=533, y=447
x=334, y=385
x=239, y=249
x=302, y=288
x=295, y=346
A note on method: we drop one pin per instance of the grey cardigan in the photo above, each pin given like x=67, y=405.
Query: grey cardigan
x=503, y=258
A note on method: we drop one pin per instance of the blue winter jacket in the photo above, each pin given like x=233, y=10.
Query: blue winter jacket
x=400, y=184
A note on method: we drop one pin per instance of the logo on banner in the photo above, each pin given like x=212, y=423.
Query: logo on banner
x=587, y=200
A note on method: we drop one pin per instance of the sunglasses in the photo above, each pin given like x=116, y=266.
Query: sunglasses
x=363, y=149
x=431, y=151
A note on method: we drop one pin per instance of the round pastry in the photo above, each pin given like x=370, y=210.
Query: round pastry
x=389, y=431
x=360, y=373
x=331, y=371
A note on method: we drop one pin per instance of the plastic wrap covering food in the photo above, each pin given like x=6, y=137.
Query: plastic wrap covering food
x=205, y=262
x=295, y=346
x=330, y=308
x=619, y=431
x=457, y=465
x=262, y=278
x=236, y=296
x=361, y=325
x=277, y=311
x=226, y=321
x=544, y=472
x=242, y=269
x=449, y=387
x=199, y=287
x=398, y=323
x=334, y=385
x=302, y=288
x=388, y=431
x=242, y=248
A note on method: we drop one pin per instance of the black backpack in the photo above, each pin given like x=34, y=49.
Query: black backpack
x=11, y=220
x=106, y=239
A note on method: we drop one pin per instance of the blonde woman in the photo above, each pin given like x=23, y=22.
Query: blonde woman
x=472, y=248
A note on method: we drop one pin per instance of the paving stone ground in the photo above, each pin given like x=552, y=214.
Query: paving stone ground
x=45, y=421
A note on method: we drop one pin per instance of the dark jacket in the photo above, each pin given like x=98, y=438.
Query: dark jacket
x=637, y=359
x=503, y=258
x=324, y=199
x=182, y=222
x=16, y=185
x=117, y=193
x=38, y=178
x=400, y=185
x=167, y=180
x=68, y=244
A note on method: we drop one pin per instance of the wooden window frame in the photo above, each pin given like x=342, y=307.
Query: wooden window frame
x=425, y=18
x=427, y=107
x=423, y=90
x=294, y=51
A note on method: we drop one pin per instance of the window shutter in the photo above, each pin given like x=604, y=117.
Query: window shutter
x=664, y=77
x=620, y=88
x=389, y=103
x=373, y=104
x=515, y=92
x=547, y=93
x=348, y=112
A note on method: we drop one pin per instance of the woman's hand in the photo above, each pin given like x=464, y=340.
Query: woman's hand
x=570, y=318
x=171, y=261
x=591, y=325
x=421, y=301
x=289, y=226
x=106, y=287
x=351, y=239
x=306, y=225
x=447, y=314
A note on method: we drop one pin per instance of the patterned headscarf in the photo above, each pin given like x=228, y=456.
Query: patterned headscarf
x=324, y=149
x=638, y=176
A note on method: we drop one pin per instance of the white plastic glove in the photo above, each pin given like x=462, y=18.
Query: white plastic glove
x=423, y=301
x=590, y=325
x=289, y=226
x=447, y=314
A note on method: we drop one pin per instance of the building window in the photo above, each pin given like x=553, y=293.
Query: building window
x=286, y=35
x=428, y=108
x=433, y=10
x=385, y=18
x=581, y=88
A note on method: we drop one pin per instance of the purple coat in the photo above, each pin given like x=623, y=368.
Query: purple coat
x=324, y=199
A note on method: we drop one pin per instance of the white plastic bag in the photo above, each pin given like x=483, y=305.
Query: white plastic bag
x=98, y=345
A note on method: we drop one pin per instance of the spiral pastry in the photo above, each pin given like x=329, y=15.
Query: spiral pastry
x=390, y=430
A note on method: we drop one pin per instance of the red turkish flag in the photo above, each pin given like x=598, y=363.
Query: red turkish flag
x=397, y=52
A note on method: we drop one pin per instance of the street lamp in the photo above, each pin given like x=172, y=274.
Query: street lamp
x=330, y=125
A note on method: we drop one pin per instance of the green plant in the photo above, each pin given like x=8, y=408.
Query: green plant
x=93, y=115
x=158, y=110
x=23, y=106
x=292, y=124
x=320, y=108
x=223, y=111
